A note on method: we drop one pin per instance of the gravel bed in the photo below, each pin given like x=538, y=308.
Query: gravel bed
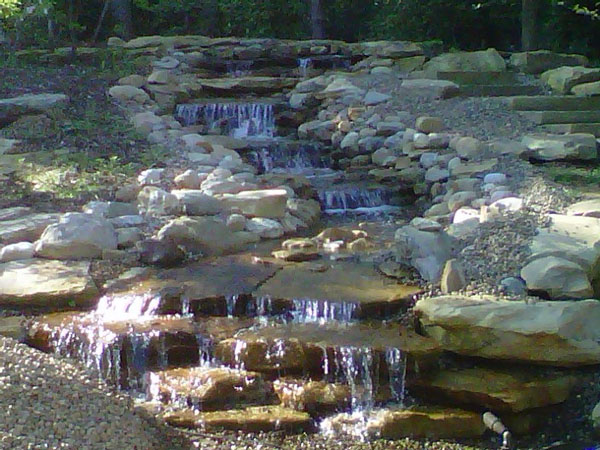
x=51, y=403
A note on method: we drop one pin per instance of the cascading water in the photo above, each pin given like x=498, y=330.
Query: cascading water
x=357, y=199
x=304, y=65
x=289, y=157
x=239, y=120
x=359, y=368
x=308, y=310
x=112, y=308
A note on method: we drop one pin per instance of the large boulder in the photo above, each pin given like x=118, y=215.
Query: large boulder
x=539, y=61
x=563, y=79
x=553, y=147
x=206, y=235
x=47, y=284
x=560, y=333
x=77, y=236
x=481, y=61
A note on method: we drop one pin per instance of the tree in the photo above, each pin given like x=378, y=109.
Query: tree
x=530, y=24
x=121, y=10
x=317, y=19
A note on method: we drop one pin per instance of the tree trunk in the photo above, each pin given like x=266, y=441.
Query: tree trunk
x=317, y=19
x=121, y=10
x=529, y=25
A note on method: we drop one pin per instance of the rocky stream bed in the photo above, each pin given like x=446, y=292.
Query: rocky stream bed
x=337, y=246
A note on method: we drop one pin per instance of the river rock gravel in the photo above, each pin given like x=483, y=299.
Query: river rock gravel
x=51, y=403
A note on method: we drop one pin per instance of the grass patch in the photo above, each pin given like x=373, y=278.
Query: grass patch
x=587, y=177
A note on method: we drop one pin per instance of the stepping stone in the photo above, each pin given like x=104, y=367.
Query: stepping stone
x=50, y=285
x=250, y=420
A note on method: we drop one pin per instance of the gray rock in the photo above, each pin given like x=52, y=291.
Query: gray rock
x=429, y=124
x=426, y=251
x=553, y=147
x=18, y=251
x=265, y=228
x=374, y=98
x=197, y=203
x=154, y=201
x=110, y=210
x=150, y=177
x=563, y=334
x=435, y=174
x=77, y=236
x=162, y=253
x=469, y=147
x=558, y=278
x=513, y=286
x=453, y=277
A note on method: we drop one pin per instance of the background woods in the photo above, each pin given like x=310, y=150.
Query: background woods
x=468, y=24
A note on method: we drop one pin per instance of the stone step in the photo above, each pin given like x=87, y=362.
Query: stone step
x=478, y=78
x=209, y=389
x=553, y=103
x=499, y=90
x=251, y=420
x=592, y=128
x=322, y=348
x=562, y=117
x=122, y=352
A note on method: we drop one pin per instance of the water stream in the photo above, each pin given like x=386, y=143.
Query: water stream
x=239, y=120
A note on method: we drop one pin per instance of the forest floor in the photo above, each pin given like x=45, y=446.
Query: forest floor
x=90, y=150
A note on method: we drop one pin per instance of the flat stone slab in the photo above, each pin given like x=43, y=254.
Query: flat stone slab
x=250, y=420
x=419, y=423
x=557, y=333
x=556, y=147
x=247, y=84
x=498, y=390
x=25, y=228
x=342, y=283
x=585, y=229
x=586, y=208
x=553, y=103
x=47, y=284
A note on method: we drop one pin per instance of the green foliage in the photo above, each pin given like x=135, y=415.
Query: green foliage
x=9, y=8
x=582, y=177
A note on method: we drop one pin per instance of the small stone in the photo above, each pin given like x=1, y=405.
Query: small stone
x=453, y=277
x=429, y=124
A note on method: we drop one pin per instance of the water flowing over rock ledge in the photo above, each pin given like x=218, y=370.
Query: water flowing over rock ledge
x=266, y=341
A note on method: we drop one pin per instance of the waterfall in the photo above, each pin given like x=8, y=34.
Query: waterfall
x=112, y=308
x=288, y=157
x=303, y=65
x=308, y=310
x=396, y=366
x=239, y=120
